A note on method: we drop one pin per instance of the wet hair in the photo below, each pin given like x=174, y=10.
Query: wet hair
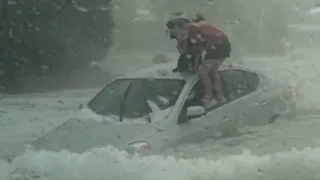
x=170, y=24
x=198, y=18
x=177, y=22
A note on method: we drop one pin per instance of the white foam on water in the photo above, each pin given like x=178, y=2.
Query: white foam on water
x=109, y=163
x=262, y=155
x=300, y=68
x=4, y=169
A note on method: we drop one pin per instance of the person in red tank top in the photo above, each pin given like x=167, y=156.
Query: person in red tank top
x=201, y=37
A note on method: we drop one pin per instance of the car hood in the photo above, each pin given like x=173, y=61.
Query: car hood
x=82, y=133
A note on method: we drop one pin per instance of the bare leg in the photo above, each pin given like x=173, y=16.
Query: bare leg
x=203, y=72
x=197, y=62
x=216, y=63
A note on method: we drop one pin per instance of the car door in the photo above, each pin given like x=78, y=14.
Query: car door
x=200, y=128
x=242, y=96
x=255, y=103
x=268, y=99
x=242, y=109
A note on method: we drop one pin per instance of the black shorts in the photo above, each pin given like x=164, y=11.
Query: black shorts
x=220, y=51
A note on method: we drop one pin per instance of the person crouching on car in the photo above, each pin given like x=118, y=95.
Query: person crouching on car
x=206, y=38
x=187, y=61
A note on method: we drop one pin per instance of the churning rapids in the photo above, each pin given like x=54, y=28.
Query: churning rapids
x=287, y=149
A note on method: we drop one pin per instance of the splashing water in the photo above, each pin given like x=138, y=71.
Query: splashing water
x=108, y=163
x=265, y=154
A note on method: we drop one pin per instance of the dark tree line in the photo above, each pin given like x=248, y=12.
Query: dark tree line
x=52, y=37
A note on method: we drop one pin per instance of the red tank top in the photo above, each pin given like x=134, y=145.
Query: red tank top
x=202, y=35
x=206, y=33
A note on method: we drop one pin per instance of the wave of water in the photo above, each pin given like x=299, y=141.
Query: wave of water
x=232, y=159
x=109, y=163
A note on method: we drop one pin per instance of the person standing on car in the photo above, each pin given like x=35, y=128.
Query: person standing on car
x=205, y=38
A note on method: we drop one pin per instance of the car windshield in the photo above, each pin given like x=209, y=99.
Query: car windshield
x=138, y=97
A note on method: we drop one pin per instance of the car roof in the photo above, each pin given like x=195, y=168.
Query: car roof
x=164, y=71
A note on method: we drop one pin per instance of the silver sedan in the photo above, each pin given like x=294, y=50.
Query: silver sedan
x=153, y=109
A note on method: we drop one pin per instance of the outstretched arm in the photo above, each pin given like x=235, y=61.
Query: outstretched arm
x=198, y=60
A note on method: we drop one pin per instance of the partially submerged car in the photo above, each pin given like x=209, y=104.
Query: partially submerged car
x=154, y=109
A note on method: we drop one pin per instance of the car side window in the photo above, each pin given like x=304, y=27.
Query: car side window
x=253, y=79
x=237, y=83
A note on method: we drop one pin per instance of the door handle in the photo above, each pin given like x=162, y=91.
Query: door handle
x=225, y=119
x=262, y=103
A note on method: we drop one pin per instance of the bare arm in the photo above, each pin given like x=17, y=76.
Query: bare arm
x=198, y=59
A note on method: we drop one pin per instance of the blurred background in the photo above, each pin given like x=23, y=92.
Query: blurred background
x=53, y=44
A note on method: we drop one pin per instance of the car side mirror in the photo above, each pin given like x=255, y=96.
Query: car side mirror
x=195, y=111
x=81, y=106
